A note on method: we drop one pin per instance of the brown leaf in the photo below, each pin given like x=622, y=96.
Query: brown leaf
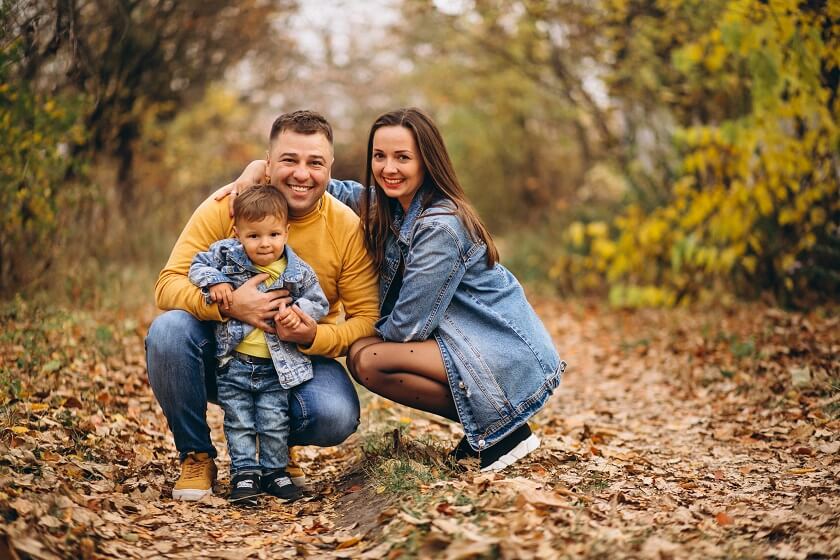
x=72, y=402
x=723, y=519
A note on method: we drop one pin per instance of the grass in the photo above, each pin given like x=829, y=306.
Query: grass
x=402, y=466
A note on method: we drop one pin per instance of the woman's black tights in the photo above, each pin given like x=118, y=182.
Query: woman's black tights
x=410, y=373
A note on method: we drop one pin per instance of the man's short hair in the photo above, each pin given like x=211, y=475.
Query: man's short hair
x=258, y=202
x=302, y=122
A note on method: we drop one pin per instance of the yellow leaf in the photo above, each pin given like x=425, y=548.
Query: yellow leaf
x=352, y=541
x=20, y=429
x=38, y=407
x=801, y=470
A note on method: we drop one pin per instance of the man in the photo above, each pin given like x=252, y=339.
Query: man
x=180, y=344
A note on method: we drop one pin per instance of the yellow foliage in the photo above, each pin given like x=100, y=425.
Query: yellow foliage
x=755, y=191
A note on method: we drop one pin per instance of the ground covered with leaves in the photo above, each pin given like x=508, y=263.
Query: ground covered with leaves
x=675, y=434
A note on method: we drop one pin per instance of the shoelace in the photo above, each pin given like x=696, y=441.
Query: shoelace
x=193, y=469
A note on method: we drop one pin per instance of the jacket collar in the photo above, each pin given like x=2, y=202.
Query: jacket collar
x=404, y=221
x=294, y=268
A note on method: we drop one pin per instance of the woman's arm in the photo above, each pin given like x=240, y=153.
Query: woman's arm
x=347, y=192
x=433, y=270
x=254, y=173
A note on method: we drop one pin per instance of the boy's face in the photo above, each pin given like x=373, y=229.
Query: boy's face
x=263, y=241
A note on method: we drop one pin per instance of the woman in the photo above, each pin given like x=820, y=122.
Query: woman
x=457, y=336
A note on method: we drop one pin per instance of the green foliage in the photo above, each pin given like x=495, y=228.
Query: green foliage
x=705, y=168
x=756, y=202
x=37, y=130
x=86, y=91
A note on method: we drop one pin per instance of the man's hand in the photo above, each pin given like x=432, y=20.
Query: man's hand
x=303, y=327
x=254, y=307
x=254, y=173
x=221, y=294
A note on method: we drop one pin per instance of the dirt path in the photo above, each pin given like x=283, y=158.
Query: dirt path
x=673, y=435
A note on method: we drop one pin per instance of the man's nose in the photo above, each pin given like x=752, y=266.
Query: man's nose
x=301, y=173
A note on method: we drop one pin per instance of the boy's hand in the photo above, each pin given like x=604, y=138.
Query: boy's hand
x=304, y=329
x=254, y=173
x=222, y=294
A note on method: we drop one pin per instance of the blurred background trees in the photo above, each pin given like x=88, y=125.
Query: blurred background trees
x=656, y=151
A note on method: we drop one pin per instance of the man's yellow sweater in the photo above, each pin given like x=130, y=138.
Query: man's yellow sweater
x=328, y=238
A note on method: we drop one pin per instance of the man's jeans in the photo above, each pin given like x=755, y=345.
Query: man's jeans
x=180, y=358
x=255, y=404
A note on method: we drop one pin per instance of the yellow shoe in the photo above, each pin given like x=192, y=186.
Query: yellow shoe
x=198, y=473
x=294, y=471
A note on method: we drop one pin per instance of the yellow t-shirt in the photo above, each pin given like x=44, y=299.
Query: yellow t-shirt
x=328, y=238
x=255, y=344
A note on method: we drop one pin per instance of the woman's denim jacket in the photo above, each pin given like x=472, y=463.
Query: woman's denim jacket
x=226, y=261
x=500, y=361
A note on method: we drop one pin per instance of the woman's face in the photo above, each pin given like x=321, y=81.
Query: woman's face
x=396, y=163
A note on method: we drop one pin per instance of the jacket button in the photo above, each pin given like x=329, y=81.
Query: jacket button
x=481, y=443
x=461, y=385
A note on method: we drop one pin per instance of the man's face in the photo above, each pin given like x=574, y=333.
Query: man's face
x=299, y=165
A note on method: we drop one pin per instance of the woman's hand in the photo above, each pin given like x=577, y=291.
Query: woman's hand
x=254, y=173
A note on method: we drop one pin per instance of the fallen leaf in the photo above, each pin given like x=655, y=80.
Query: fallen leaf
x=352, y=541
x=724, y=519
x=803, y=470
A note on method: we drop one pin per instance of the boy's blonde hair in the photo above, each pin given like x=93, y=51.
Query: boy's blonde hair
x=258, y=202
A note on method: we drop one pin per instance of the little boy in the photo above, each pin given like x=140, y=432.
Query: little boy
x=256, y=368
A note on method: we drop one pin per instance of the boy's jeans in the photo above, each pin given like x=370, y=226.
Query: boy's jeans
x=181, y=361
x=255, y=405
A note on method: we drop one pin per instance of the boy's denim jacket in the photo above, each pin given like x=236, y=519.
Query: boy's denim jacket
x=500, y=360
x=226, y=261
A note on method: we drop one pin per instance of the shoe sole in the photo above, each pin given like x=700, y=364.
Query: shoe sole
x=525, y=446
x=289, y=499
x=246, y=500
x=299, y=481
x=190, y=494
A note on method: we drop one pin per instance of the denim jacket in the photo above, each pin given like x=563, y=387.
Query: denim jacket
x=226, y=261
x=500, y=361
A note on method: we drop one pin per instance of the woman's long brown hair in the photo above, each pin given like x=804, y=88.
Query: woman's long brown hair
x=439, y=176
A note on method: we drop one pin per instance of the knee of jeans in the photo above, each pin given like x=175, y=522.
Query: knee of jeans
x=174, y=331
x=334, y=424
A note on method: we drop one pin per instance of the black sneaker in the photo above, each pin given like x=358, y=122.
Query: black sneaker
x=462, y=451
x=278, y=484
x=515, y=446
x=244, y=489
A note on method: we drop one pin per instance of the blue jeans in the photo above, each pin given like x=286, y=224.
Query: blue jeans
x=255, y=404
x=181, y=361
